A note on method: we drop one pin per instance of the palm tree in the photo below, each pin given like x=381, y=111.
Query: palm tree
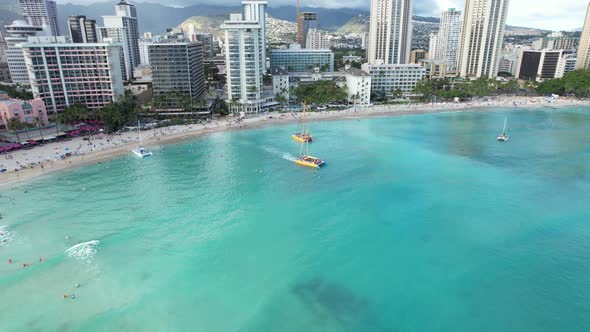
x=38, y=123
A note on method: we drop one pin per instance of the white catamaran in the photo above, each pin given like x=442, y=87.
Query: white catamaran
x=504, y=136
x=140, y=151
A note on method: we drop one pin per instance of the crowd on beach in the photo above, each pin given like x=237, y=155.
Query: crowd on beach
x=80, y=150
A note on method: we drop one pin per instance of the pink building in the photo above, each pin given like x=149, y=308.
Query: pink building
x=25, y=111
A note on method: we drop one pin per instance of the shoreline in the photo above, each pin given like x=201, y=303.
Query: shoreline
x=46, y=159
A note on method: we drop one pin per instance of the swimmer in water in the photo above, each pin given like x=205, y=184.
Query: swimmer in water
x=10, y=261
x=77, y=285
x=73, y=296
x=67, y=237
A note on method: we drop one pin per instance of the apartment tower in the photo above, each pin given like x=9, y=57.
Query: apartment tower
x=482, y=37
x=583, y=61
x=390, y=32
x=41, y=12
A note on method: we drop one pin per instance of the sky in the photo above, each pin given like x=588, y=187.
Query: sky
x=543, y=14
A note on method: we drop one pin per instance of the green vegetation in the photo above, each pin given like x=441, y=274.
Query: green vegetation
x=320, y=93
x=76, y=112
x=115, y=115
x=220, y=107
x=575, y=83
x=15, y=93
x=447, y=89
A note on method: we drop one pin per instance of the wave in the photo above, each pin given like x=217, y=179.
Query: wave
x=6, y=235
x=83, y=251
x=277, y=152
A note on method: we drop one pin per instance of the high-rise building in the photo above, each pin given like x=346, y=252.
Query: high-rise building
x=122, y=28
x=305, y=22
x=207, y=40
x=433, y=45
x=17, y=33
x=244, y=63
x=40, y=13
x=390, y=32
x=583, y=61
x=82, y=30
x=316, y=40
x=448, y=37
x=297, y=59
x=482, y=37
x=255, y=11
x=558, y=41
x=63, y=74
x=177, y=69
x=388, y=79
x=541, y=65
x=144, y=56
x=2, y=48
x=417, y=55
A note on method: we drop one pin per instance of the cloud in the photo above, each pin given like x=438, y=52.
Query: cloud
x=545, y=14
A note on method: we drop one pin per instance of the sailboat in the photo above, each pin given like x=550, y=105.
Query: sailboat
x=140, y=151
x=303, y=135
x=504, y=136
x=306, y=159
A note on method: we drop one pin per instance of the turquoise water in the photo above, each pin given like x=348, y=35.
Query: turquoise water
x=418, y=223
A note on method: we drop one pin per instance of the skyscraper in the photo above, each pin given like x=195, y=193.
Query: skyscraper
x=481, y=38
x=177, y=68
x=448, y=37
x=82, y=30
x=390, y=32
x=433, y=45
x=40, y=13
x=255, y=10
x=583, y=61
x=122, y=28
x=85, y=73
x=245, y=57
x=305, y=22
x=17, y=33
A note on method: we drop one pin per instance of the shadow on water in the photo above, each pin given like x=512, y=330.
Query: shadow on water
x=329, y=300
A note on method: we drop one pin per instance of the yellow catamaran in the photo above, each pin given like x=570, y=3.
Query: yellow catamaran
x=306, y=159
x=303, y=136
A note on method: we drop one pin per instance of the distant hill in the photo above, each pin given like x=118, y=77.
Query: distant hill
x=156, y=17
x=514, y=30
x=208, y=24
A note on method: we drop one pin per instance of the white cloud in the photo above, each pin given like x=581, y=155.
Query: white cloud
x=544, y=14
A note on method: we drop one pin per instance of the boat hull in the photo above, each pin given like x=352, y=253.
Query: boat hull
x=301, y=139
x=309, y=163
x=141, y=154
x=503, y=138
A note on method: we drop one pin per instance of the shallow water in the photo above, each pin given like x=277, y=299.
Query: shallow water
x=418, y=223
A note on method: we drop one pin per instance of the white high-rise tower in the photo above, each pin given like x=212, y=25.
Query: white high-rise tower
x=245, y=57
x=40, y=13
x=481, y=37
x=123, y=28
x=449, y=36
x=390, y=32
x=584, y=48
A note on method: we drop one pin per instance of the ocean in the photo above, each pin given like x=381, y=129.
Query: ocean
x=417, y=223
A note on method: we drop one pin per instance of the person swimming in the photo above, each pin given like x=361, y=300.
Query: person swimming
x=77, y=285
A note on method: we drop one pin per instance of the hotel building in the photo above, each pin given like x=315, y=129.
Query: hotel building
x=63, y=74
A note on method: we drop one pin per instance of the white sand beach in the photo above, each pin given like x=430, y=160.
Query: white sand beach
x=25, y=164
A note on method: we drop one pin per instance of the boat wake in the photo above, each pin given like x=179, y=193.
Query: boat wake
x=6, y=235
x=84, y=250
x=277, y=152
